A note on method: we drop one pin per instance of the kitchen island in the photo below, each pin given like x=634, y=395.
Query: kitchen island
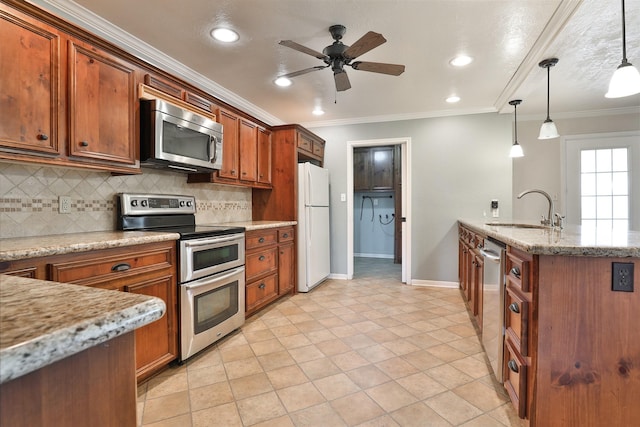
x=572, y=350
x=67, y=354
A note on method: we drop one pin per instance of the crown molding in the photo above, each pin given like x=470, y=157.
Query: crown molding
x=99, y=26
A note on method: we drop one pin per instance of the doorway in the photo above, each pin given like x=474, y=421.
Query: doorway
x=401, y=217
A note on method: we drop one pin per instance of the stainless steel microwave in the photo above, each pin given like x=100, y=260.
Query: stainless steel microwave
x=175, y=138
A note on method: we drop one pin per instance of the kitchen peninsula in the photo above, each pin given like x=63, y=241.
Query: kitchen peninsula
x=571, y=347
x=67, y=353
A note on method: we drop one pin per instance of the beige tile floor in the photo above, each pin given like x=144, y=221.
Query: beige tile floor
x=364, y=352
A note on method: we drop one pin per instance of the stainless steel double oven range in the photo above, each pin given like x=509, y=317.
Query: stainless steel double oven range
x=211, y=291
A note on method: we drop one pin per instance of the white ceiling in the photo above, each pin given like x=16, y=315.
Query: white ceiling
x=506, y=38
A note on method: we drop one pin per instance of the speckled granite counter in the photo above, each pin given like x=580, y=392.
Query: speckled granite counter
x=572, y=240
x=56, y=244
x=260, y=225
x=43, y=322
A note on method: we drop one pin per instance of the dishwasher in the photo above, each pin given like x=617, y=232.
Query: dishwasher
x=493, y=291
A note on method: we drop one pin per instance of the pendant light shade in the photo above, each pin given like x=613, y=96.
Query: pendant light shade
x=516, y=149
x=626, y=79
x=548, y=129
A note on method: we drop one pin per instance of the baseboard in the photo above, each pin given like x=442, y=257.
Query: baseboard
x=435, y=284
x=360, y=255
x=338, y=276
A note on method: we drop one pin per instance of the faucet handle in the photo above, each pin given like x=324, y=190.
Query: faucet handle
x=558, y=220
x=545, y=221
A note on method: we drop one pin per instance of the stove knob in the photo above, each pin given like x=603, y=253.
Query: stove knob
x=189, y=204
x=182, y=203
x=134, y=203
x=144, y=203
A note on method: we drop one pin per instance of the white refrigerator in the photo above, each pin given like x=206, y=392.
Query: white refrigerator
x=313, y=226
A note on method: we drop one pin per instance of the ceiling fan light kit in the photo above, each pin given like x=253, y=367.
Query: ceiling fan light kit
x=626, y=79
x=548, y=129
x=339, y=55
x=516, y=149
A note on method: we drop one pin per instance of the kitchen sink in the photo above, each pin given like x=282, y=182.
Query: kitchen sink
x=516, y=225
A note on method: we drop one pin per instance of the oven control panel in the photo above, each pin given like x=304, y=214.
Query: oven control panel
x=150, y=204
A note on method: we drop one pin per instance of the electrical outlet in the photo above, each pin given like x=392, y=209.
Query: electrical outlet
x=622, y=276
x=64, y=204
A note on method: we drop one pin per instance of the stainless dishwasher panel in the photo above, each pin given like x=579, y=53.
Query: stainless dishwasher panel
x=493, y=304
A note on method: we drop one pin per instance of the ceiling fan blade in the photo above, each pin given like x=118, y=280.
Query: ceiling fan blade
x=379, y=67
x=364, y=44
x=305, y=71
x=342, y=81
x=295, y=46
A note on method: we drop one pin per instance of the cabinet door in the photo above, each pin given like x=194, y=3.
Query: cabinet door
x=156, y=343
x=101, y=106
x=248, y=151
x=361, y=169
x=29, y=85
x=382, y=168
x=230, y=126
x=264, y=156
x=286, y=265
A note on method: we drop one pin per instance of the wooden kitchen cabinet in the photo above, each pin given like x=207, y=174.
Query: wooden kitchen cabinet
x=148, y=269
x=471, y=271
x=264, y=156
x=64, y=101
x=248, y=159
x=231, y=126
x=373, y=168
x=269, y=267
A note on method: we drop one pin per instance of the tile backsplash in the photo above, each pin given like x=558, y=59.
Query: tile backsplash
x=29, y=198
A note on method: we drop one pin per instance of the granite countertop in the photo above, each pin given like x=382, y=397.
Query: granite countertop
x=42, y=322
x=259, y=225
x=573, y=240
x=32, y=247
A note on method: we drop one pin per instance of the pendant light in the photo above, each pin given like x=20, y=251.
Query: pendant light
x=626, y=79
x=516, y=149
x=548, y=129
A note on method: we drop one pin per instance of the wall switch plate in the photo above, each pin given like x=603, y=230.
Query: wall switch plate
x=494, y=204
x=343, y=197
x=622, y=276
x=64, y=204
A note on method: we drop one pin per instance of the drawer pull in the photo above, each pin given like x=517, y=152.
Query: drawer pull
x=262, y=286
x=84, y=143
x=43, y=137
x=513, y=366
x=121, y=267
x=514, y=307
x=261, y=258
x=285, y=235
x=261, y=240
x=515, y=271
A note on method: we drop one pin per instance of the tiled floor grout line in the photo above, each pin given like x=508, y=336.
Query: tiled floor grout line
x=321, y=359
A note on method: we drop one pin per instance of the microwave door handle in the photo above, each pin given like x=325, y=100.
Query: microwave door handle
x=213, y=153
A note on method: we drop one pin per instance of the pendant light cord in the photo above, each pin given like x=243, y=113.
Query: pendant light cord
x=624, y=38
x=515, y=120
x=548, y=85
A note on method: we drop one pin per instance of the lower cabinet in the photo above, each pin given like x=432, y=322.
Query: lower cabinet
x=148, y=269
x=270, y=266
x=471, y=271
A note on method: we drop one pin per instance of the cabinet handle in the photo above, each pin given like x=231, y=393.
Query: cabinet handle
x=84, y=143
x=262, y=286
x=43, y=136
x=515, y=271
x=285, y=235
x=261, y=240
x=121, y=267
x=233, y=172
x=513, y=366
x=261, y=258
x=514, y=307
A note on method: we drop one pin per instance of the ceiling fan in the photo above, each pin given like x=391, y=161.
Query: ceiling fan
x=337, y=55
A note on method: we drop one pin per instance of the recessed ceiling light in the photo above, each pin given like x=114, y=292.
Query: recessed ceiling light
x=224, y=35
x=318, y=111
x=283, y=82
x=461, y=61
x=453, y=99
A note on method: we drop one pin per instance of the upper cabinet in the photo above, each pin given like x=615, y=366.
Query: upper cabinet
x=373, y=168
x=62, y=101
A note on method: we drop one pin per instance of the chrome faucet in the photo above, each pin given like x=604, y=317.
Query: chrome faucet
x=553, y=219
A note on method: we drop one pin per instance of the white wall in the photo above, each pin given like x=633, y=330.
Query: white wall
x=458, y=165
x=373, y=224
x=542, y=162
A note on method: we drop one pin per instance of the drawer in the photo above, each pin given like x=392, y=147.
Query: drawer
x=517, y=320
x=285, y=234
x=305, y=144
x=260, y=263
x=91, y=269
x=318, y=149
x=515, y=371
x=517, y=270
x=261, y=238
x=261, y=291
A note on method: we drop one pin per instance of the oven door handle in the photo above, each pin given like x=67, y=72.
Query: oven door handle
x=207, y=280
x=207, y=242
x=487, y=253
